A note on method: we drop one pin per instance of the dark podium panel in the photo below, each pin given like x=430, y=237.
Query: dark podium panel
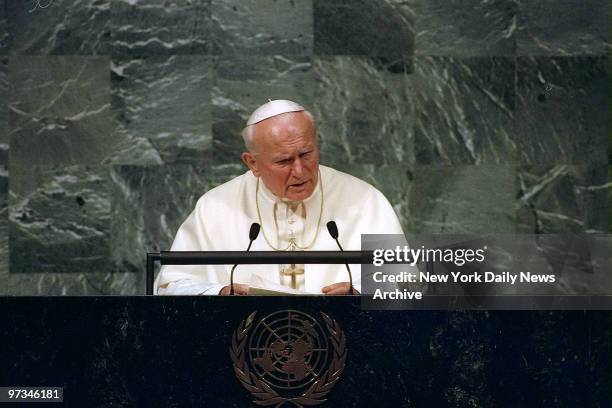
x=174, y=352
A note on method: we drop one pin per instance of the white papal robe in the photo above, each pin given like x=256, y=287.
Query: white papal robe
x=222, y=218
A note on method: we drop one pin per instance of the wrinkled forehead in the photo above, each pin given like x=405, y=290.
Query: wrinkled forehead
x=286, y=126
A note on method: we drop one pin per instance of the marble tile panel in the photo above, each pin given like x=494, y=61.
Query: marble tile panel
x=71, y=284
x=161, y=109
x=363, y=110
x=462, y=28
x=222, y=173
x=563, y=110
x=160, y=27
x=129, y=243
x=59, y=111
x=364, y=27
x=394, y=181
x=244, y=83
x=4, y=101
x=59, y=27
x=148, y=206
x=464, y=110
x=171, y=194
x=262, y=27
x=5, y=41
x=564, y=27
x=463, y=199
x=62, y=225
x=565, y=199
x=4, y=181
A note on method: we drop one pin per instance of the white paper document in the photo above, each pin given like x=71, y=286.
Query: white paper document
x=259, y=286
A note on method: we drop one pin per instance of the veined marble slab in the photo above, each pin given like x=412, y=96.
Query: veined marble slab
x=59, y=27
x=162, y=109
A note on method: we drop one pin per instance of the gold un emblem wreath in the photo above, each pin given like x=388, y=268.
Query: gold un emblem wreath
x=288, y=358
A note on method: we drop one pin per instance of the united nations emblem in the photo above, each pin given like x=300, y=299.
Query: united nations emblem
x=288, y=357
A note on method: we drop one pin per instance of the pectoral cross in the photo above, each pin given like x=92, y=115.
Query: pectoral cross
x=292, y=271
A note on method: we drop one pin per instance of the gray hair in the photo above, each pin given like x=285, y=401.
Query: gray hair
x=247, y=132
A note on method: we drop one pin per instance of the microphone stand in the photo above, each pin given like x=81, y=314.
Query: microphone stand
x=332, y=228
x=253, y=233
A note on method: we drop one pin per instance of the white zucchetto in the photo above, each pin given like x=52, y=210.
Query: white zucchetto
x=273, y=108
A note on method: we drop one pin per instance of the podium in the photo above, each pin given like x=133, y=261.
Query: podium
x=153, y=351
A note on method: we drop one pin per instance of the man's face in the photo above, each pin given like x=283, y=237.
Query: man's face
x=285, y=155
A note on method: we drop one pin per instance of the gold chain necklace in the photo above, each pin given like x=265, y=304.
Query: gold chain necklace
x=292, y=241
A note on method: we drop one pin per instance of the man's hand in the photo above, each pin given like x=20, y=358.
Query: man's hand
x=239, y=289
x=340, y=288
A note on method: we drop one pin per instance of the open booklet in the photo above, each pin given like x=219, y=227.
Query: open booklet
x=259, y=286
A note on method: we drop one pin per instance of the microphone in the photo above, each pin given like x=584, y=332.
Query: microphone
x=253, y=233
x=332, y=228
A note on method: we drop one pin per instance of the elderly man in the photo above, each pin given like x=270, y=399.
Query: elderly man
x=292, y=197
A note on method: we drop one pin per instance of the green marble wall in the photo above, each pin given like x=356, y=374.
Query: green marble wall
x=116, y=115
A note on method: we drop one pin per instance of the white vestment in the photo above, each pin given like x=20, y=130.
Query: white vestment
x=223, y=216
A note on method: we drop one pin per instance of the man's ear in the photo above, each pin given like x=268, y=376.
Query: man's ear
x=249, y=159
